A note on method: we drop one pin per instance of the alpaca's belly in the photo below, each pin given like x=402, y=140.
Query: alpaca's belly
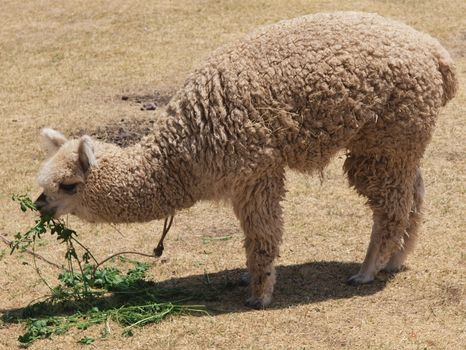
x=311, y=145
x=312, y=151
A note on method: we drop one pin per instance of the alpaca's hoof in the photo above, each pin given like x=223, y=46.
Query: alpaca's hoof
x=395, y=264
x=393, y=268
x=359, y=279
x=258, y=303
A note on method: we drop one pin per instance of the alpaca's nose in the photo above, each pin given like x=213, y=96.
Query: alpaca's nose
x=41, y=202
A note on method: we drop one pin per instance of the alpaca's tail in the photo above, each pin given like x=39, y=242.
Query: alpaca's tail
x=449, y=76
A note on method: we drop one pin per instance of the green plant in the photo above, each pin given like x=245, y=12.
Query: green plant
x=208, y=239
x=86, y=340
x=88, y=294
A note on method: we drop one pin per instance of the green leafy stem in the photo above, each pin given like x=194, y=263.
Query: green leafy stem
x=88, y=294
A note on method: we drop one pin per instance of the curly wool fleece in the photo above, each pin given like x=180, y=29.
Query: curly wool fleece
x=290, y=94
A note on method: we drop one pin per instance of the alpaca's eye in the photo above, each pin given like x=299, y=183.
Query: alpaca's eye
x=68, y=187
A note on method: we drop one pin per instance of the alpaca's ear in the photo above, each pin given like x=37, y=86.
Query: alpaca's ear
x=86, y=153
x=52, y=140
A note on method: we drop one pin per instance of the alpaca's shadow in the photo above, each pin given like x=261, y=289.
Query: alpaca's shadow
x=296, y=284
x=223, y=292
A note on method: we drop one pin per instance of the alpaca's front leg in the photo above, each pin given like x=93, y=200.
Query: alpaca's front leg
x=258, y=208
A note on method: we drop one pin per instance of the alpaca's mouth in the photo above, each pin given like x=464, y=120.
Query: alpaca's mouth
x=44, y=207
x=50, y=212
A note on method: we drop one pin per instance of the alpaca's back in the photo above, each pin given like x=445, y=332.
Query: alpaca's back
x=298, y=91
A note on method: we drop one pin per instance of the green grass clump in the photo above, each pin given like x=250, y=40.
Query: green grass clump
x=89, y=294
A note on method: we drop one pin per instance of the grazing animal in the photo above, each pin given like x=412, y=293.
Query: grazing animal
x=291, y=94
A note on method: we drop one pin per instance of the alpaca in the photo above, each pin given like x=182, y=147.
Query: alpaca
x=292, y=94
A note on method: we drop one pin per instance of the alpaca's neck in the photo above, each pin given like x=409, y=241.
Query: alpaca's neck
x=148, y=181
x=170, y=155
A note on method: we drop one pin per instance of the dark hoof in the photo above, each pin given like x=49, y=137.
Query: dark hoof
x=359, y=279
x=352, y=282
x=254, y=304
x=394, y=269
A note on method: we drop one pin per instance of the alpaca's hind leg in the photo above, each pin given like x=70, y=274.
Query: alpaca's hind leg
x=396, y=261
x=389, y=186
x=257, y=205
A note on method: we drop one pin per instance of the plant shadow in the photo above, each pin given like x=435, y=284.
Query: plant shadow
x=220, y=292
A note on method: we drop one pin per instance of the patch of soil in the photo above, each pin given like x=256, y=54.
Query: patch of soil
x=124, y=133
x=128, y=131
x=148, y=102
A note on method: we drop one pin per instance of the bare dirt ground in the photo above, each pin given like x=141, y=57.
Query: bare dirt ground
x=101, y=67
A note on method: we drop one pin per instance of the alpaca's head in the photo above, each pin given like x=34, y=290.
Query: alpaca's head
x=63, y=174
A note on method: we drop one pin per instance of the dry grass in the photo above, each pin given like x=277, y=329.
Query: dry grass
x=65, y=64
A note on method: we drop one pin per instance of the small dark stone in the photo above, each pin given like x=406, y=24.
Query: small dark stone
x=124, y=97
x=149, y=106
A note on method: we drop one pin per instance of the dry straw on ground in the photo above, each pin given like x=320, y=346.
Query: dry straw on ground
x=66, y=65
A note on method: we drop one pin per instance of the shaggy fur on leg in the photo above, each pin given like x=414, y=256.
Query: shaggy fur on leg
x=398, y=258
x=259, y=211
